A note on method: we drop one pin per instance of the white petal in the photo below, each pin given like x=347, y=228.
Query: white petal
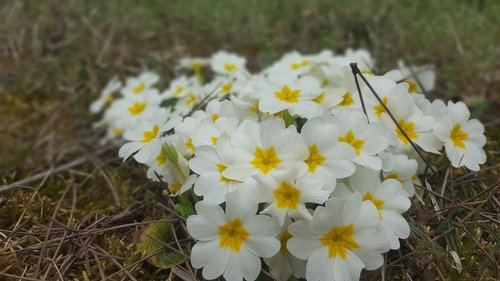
x=319, y=266
x=202, y=252
x=217, y=264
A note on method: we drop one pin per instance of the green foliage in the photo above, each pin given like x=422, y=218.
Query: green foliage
x=153, y=240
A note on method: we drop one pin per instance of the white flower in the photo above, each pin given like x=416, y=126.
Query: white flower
x=288, y=195
x=128, y=110
x=416, y=125
x=389, y=199
x=283, y=265
x=231, y=243
x=228, y=64
x=145, y=137
x=187, y=128
x=366, y=139
x=463, y=137
x=393, y=96
x=107, y=95
x=328, y=159
x=340, y=241
x=194, y=64
x=207, y=163
x=179, y=87
x=425, y=76
x=404, y=170
x=293, y=62
x=263, y=148
x=207, y=133
x=140, y=84
x=179, y=180
x=285, y=92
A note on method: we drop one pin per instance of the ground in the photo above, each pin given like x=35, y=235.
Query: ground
x=75, y=208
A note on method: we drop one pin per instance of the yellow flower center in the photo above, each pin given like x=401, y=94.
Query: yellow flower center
x=338, y=240
x=325, y=82
x=191, y=98
x=149, y=135
x=346, y=99
x=458, y=136
x=232, y=235
x=226, y=88
x=174, y=187
x=288, y=95
x=178, y=90
x=300, y=64
x=392, y=176
x=265, y=159
x=215, y=116
x=413, y=86
x=315, y=158
x=213, y=140
x=283, y=239
x=189, y=145
x=287, y=196
x=379, y=109
x=408, y=128
x=230, y=67
x=139, y=88
x=160, y=160
x=221, y=168
x=117, y=132
x=319, y=98
x=137, y=108
x=377, y=202
x=350, y=138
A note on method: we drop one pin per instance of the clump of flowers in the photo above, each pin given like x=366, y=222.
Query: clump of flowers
x=308, y=164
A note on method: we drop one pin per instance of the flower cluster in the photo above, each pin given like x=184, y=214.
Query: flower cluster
x=296, y=164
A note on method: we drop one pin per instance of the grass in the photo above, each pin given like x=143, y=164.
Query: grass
x=75, y=213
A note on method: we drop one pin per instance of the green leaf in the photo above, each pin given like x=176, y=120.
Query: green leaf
x=289, y=120
x=170, y=102
x=184, y=208
x=153, y=238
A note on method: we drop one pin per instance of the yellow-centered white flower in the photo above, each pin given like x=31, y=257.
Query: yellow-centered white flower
x=287, y=195
x=340, y=241
x=463, y=137
x=231, y=243
x=264, y=148
x=389, y=199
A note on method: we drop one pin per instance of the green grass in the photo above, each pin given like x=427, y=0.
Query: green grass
x=56, y=56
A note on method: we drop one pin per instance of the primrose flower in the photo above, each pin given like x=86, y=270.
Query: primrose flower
x=463, y=137
x=404, y=170
x=288, y=93
x=140, y=84
x=366, y=139
x=194, y=64
x=283, y=265
x=145, y=137
x=329, y=159
x=179, y=87
x=225, y=63
x=264, y=148
x=288, y=195
x=417, y=126
x=231, y=243
x=207, y=163
x=389, y=199
x=340, y=241
x=107, y=95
